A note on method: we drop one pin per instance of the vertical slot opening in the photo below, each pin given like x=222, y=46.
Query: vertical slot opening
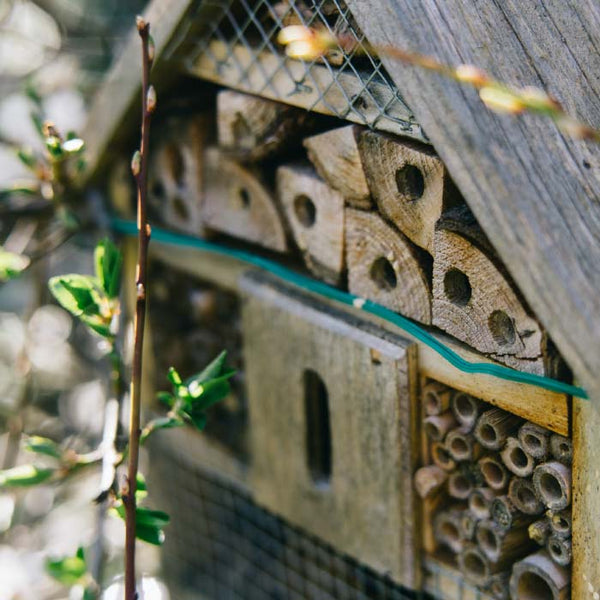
x=318, y=428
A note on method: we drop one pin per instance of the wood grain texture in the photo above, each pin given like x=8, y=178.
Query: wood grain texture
x=409, y=183
x=335, y=156
x=237, y=202
x=384, y=266
x=366, y=507
x=315, y=213
x=534, y=192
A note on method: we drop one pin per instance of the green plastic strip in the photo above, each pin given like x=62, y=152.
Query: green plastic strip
x=318, y=287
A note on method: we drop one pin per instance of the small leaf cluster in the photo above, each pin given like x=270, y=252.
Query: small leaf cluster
x=190, y=399
x=73, y=571
x=149, y=523
x=11, y=264
x=93, y=299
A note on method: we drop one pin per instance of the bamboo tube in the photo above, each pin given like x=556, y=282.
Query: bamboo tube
x=559, y=550
x=494, y=426
x=494, y=473
x=476, y=566
x=536, y=577
x=447, y=529
x=460, y=485
x=502, y=545
x=441, y=457
x=535, y=440
x=561, y=448
x=461, y=445
x=468, y=524
x=437, y=426
x=506, y=515
x=539, y=531
x=480, y=501
x=498, y=586
x=522, y=494
x=436, y=398
x=560, y=523
x=428, y=480
x=552, y=481
x=517, y=461
x=466, y=409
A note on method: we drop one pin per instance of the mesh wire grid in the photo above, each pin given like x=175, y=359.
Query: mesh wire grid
x=221, y=545
x=233, y=42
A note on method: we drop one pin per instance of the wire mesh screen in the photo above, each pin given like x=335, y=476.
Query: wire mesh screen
x=233, y=43
x=221, y=545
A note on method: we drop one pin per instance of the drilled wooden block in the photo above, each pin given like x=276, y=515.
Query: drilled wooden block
x=332, y=425
x=237, y=202
x=176, y=172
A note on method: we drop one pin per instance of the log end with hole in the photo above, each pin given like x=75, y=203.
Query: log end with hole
x=517, y=461
x=441, y=457
x=473, y=301
x=408, y=183
x=437, y=426
x=494, y=473
x=385, y=267
x=315, y=212
x=466, y=408
x=561, y=448
x=535, y=440
x=237, y=202
x=523, y=495
x=436, y=398
x=494, y=426
x=428, y=480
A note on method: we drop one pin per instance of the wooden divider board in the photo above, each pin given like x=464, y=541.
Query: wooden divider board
x=366, y=508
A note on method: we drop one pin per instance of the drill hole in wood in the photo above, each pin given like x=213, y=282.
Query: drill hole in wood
x=457, y=287
x=502, y=328
x=383, y=274
x=175, y=163
x=244, y=198
x=305, y=210
x=410, y=182
x=550, y=488
x=318, y=428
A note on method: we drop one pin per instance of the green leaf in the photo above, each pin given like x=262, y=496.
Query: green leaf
x=27, y=157
x=212, y=392
x=24, y=475
x=159, y=423
x=54, y=146
x=24, y=188
x=166, y=398
x=151, y=518
x=108, y=260
x=38, y=122
x=70, y=570
x=11, y=264
x=41, y=445
x=215, y=369
x=196, y=418
x=76, y=293
x=150, y=535
x=174, y=377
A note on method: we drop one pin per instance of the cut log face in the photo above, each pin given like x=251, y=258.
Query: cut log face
x=407, y=182
x=337, y=160
x=236, y=202
x=176, y=173
x=254, y=128
x=475, y=303
x=383, y=266
x=315, y=212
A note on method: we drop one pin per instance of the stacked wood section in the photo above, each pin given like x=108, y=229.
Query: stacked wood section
x=493, y=493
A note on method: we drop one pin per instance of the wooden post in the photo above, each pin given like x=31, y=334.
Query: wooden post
x=238, y=203
x=409, y=184
x=335, y=157
x=315, y=212
x=385, y=267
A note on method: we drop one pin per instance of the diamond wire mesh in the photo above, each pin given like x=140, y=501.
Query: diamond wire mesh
x=233, y=42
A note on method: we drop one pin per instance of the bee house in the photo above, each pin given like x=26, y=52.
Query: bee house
x=406, y=284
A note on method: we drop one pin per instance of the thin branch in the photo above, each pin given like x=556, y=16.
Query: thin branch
x=139, y=167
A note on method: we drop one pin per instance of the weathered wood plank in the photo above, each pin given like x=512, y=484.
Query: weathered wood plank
x=364, y=504
x=534, y=192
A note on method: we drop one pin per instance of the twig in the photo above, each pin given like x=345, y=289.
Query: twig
x=139, y=167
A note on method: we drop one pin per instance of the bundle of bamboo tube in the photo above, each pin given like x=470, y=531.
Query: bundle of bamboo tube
x=497, y=487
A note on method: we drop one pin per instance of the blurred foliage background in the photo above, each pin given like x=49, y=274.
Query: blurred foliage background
x=51, y=382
